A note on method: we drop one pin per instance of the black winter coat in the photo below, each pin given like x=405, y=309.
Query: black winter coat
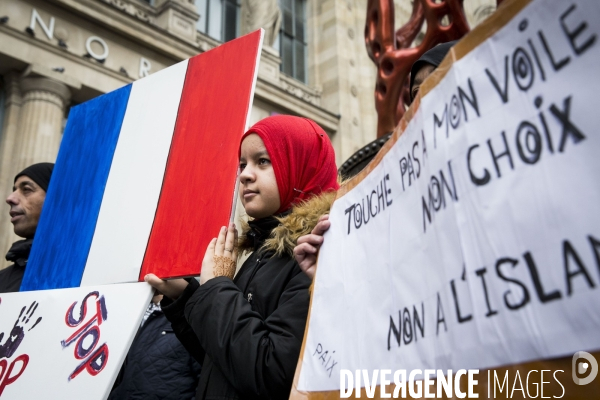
x=11, y=276
x=157, y=365
x=248, y=331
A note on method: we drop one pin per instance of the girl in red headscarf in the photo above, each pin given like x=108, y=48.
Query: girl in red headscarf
x=247, y=331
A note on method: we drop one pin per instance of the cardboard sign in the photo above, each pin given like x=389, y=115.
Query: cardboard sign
x=145, y=175
x=67, y=343
x=473, y=240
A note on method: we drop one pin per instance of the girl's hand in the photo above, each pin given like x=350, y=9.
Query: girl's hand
x=221, y=255
x=308, y=246
x=172, y=289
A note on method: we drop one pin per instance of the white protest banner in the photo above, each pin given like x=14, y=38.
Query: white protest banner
x=473, y=241
x=67, y=343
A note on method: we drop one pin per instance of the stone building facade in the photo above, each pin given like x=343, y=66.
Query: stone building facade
x=58, y=53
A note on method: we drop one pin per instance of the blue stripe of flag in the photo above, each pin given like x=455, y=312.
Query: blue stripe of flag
x=66, y=228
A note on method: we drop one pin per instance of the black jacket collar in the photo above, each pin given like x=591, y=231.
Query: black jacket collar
x=19, y=252
x=260, y=230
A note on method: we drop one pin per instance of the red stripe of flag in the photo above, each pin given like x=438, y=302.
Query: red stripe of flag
x=199, y=181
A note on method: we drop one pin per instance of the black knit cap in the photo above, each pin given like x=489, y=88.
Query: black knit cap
x=40, y=173
x=433, y=56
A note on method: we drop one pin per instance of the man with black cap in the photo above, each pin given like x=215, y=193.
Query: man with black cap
x=26, y=201
x=426, y=64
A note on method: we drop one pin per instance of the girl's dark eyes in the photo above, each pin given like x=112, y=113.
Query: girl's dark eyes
x=261, y=161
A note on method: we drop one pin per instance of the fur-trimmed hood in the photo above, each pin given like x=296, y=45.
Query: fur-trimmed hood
x=299, y=222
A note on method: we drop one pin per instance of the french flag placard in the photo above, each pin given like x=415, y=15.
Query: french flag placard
x=145, y=175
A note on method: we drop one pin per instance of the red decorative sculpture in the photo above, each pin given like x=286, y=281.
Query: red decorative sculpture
x=390, y=50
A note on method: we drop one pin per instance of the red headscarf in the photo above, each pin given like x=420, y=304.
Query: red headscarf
x=301, y=154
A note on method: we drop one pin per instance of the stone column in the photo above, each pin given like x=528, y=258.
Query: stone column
x=32, y=132
x=9, y=133
x=42, y=115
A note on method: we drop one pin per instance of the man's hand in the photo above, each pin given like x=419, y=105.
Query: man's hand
x=308, y=246
x=172, y=289
x=221, y=255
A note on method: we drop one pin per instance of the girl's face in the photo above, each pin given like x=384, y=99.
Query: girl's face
x=258, y=189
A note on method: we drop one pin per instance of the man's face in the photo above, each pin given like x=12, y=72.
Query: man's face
x=25, y=203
